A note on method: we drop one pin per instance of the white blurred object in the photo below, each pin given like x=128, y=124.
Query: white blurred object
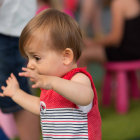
x=15, y=14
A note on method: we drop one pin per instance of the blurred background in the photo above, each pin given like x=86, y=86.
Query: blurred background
x=98, y=24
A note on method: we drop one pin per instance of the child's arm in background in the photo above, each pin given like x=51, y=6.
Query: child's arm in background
x=28, y=102
x=78, y=90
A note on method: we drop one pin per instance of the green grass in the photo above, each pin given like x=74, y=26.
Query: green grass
x=120, y=127
x=115, y=126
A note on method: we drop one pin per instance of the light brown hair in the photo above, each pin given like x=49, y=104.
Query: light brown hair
x=57, y=29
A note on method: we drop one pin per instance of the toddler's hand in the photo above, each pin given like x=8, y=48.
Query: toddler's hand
x=12, y=87
x=41, y=81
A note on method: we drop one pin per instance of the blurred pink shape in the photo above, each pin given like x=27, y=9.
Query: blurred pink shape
x=71, y=4
x=124, y=72
x=7, y=123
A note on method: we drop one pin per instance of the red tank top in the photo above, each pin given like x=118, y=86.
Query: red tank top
x=62, y=119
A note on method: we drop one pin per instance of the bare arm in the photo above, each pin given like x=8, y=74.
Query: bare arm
x=86, y=13
x=117, y=26
x=78, y=90
x=28, y=102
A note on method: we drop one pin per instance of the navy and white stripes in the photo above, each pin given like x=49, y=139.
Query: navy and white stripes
x=64, y=123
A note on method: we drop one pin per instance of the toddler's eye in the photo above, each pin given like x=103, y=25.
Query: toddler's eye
x=26, y=57
x=37, y=58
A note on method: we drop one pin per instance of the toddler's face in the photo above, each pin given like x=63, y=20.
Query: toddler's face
x=43, y=60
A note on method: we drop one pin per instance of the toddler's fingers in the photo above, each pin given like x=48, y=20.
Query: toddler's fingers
x=28, y=74
x=23, y=74
x=35, y=86
x=7, y=82
x=9, y=79
x=31, y=79
x=3, y=87
x=31, y=72
x=2, y=95
x=13, y=76
x=25, y=69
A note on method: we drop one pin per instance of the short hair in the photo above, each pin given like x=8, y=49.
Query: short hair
x=60, y=30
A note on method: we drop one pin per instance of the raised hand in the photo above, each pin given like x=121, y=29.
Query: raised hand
x=12, y=87
x=41, y=81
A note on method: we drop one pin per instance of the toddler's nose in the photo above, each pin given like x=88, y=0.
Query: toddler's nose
x=30, y=65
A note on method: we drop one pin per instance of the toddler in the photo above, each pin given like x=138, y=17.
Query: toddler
x=68, y=104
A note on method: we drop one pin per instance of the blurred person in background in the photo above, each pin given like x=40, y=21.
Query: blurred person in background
x=60, y=5
x=122, y=43
x=72, y=5
x=14, y=15
x=56, y=4
x=91, y=15
x=42, y=5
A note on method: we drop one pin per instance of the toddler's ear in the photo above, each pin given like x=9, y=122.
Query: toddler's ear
x=67, y=56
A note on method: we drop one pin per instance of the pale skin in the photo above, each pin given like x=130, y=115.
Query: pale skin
x=78, y=90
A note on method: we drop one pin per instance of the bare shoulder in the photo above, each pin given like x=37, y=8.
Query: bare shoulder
x=127, y=8
x=117, y=3
x=118, y=7
x=82, y=78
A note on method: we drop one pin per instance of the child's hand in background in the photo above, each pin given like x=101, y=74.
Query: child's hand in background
x=41, y=81
x=12, y=87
